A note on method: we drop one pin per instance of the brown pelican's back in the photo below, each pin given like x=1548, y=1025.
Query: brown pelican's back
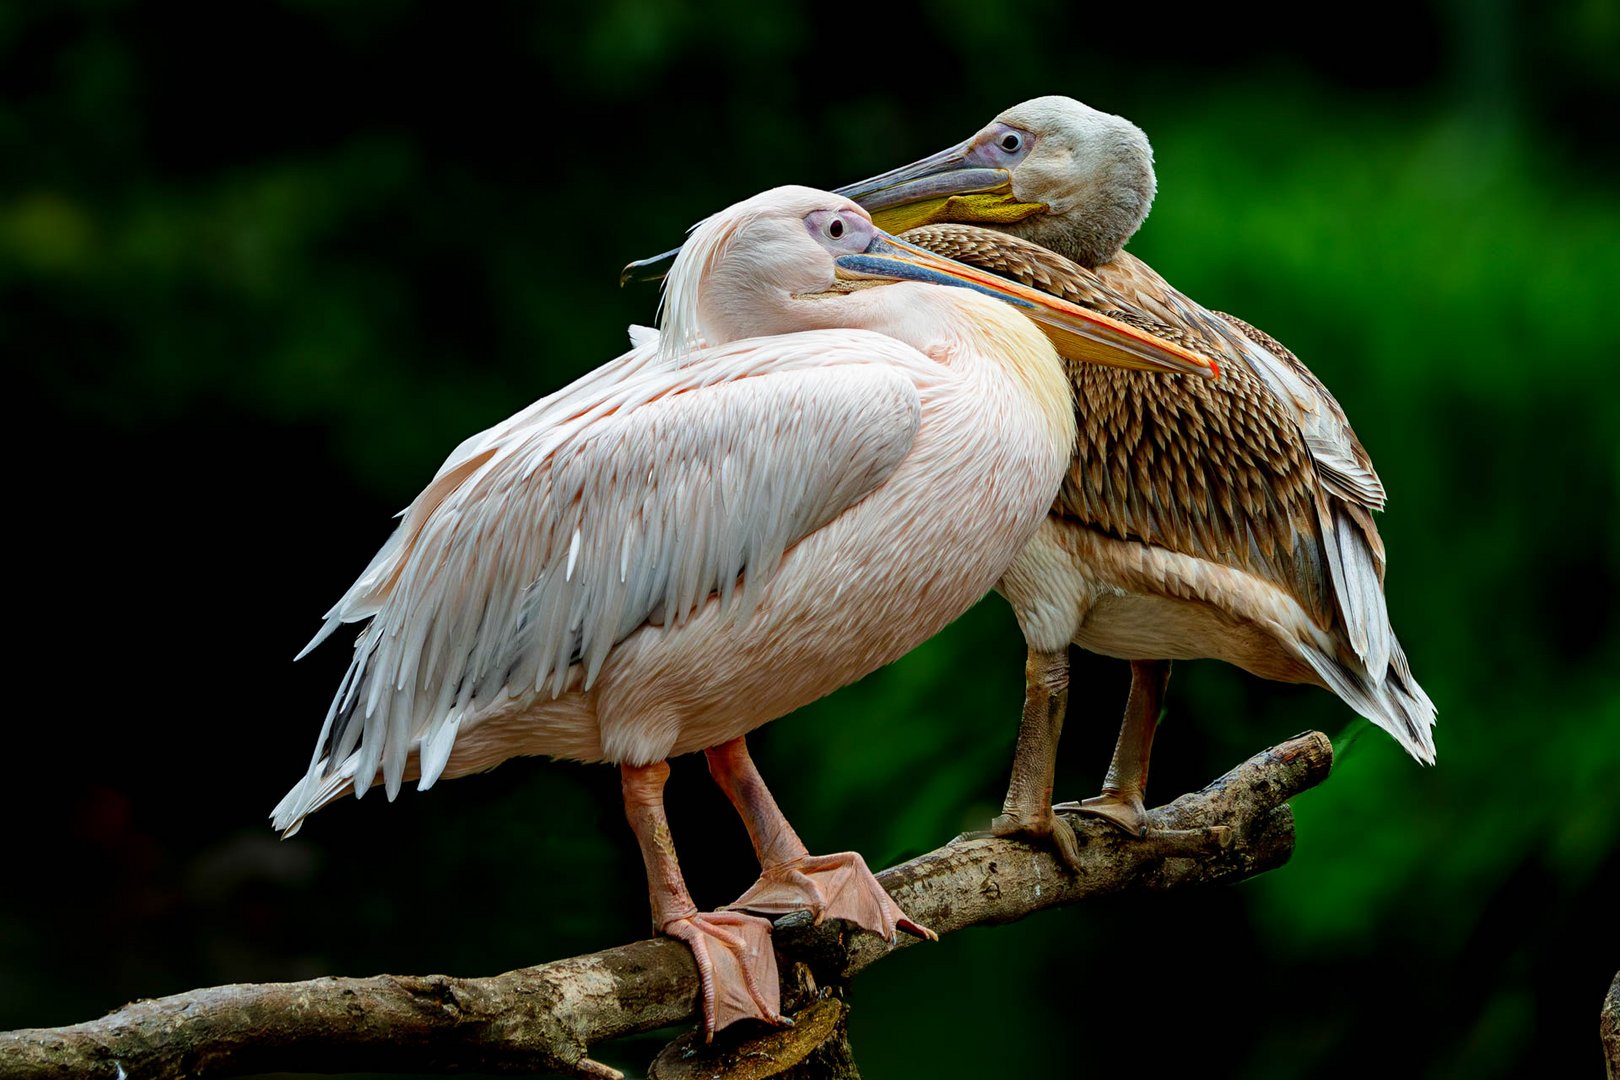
x=1214, y=469
x=1256, y=472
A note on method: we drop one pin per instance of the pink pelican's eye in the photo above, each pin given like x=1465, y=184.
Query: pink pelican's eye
x=839, y=230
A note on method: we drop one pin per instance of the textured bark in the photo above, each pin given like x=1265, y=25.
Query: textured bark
x=545, y=1018
x=816, y=1047
x=1609, y=1028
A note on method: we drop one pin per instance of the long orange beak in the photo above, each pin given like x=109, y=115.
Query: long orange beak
x=1076, y=332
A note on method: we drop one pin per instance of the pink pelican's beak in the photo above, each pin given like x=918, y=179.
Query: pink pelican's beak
x=1076, y=332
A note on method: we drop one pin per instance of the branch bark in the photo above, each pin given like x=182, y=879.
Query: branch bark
x=1609, y=1029
x=547, y=1017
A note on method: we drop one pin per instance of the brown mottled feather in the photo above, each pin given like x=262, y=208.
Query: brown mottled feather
x=1141, y=287
x=1214, y=469
x=1360, y=512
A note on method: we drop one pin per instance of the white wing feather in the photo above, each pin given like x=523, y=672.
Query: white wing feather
x=364, y=597
x=549, y=538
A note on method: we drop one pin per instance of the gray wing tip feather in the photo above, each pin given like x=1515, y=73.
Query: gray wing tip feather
x=315, y=790
x=1394, y=701
x=331, y=624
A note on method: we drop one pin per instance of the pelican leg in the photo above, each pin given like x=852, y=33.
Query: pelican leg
x=1027, y=811
x=736, y=964
x=1126, y=783
x=791, y=879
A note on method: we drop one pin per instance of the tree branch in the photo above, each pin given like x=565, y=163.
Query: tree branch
x=1609, y=1029
x=546, y=1017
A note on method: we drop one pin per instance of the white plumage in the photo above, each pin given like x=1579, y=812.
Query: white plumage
x=697, y=538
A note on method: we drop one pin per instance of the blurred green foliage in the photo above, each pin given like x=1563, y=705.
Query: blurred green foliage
x=262, y=265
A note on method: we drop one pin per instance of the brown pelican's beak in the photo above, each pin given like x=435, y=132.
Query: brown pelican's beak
x=947, y=186
x=652, y=269
x=1076, y=333
x=952, y=185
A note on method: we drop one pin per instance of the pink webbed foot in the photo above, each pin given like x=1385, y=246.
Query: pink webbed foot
x=830, y=887
x=736, y=967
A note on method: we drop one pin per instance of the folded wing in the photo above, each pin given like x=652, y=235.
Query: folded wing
x=1259, y=470
x=547, y=540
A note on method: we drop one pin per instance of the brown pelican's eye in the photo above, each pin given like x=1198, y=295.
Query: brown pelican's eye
x=1010, y=142
x=835, y=228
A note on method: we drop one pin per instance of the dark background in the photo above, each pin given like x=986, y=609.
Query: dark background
x=262, y=266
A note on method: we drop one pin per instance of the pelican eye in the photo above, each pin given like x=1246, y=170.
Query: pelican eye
x=839, y=230
x=1010, y=142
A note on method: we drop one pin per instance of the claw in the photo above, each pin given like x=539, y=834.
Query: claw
x=830, y=887
x=739, y=977
x=1123, y=810
x=1047, y=830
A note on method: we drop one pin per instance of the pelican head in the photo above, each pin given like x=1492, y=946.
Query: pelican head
x=1050, y=170
x=781, y=261
x=742, y=270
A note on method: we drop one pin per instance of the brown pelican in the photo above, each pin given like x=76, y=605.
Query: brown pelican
x=1229, y=519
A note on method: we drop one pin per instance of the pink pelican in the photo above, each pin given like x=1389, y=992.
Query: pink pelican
x=721, y=525
x=1228, y=519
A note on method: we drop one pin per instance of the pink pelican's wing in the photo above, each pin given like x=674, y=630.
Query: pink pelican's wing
x=549, y=539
